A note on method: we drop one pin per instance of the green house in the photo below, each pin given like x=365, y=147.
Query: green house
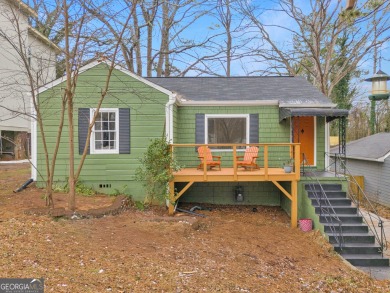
x=189, y=111
x=271, y=120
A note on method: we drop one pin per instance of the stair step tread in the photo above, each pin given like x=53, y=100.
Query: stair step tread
x=345, y=225
x=345, y=215
x=339, y=206
x=329, y=196
x=334, y=198
x=336, y=207
x=362, y=256
x=351, y=234
x=368, y=245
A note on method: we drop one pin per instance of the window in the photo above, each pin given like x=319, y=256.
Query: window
x=227, y=129
x=105, y=133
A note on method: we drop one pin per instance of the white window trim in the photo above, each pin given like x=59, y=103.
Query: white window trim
x=207, y=116
x=92, y=143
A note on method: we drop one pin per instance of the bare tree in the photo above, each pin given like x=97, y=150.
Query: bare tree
x=155, y=42
x=314, y=36
x=358, y=121
x=75, y=48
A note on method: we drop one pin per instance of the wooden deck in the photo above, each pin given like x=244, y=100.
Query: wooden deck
x=229, y=175
x=235, y=174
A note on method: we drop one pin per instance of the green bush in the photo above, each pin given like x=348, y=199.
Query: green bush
x=155, y=171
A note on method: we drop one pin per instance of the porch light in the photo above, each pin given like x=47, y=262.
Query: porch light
x=379, y=92
x=239, y=193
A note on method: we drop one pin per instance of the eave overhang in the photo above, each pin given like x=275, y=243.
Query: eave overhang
x=329, y=113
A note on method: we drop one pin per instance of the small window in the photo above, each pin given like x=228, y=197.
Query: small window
x=105, y=133
x=222, y=129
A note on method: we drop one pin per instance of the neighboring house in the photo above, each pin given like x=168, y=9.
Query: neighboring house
x=370, y=157
x=20, y=46
x=189, y=110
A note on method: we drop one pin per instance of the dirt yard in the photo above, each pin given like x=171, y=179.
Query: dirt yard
x=231, y=250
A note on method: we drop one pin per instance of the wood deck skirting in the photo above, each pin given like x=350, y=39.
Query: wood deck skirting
x=234, y=174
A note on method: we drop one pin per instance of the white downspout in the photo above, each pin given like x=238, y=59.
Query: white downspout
x=169, y=124
x=33, y=140
x=169, y=117
x=327, y=145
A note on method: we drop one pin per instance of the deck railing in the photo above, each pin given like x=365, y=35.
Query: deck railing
x=271, y=155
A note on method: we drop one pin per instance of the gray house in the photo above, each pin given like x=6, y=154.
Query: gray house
x=370, y=157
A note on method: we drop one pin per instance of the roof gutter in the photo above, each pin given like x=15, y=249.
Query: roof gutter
x=227, y=103
x=286, y=105
x=380, y=160
x=24, y=7
x=44, y=39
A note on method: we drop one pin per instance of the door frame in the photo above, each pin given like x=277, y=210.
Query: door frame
x=314, y=135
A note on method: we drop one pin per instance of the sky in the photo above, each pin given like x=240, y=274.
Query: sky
x=207, y=25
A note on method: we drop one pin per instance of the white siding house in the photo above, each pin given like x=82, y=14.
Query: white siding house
x=21, y=47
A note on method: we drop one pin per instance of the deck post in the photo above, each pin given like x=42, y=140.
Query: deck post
x=235, y=162
x=294, y=204
x=266, y=161
x=171, y=204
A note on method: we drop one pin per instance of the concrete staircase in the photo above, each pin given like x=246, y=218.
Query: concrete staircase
x=360, y=247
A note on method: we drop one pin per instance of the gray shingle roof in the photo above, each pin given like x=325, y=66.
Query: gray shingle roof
x=373, y=147
x=285, y=89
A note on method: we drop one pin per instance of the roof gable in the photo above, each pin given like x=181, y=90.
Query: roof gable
x=107, y=63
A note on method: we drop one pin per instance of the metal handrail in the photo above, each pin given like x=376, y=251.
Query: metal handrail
x=328, y=212
x=371, y=212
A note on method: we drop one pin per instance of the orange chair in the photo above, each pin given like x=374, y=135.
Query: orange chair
x=205, y=156
x=248, y=160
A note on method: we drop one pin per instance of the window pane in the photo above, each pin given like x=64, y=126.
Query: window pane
x=98, y=145
x=98, y=125
x=227, y=130
x=105, y=131
x=98, y=117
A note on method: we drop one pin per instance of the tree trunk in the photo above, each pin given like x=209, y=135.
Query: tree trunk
x=49, y=194
x=20, y=141
x=137, y=45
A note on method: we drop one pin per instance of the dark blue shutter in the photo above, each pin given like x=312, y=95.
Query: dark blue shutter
x=124, y=131
x=199, y=128
x=83, y=128
x=253, y=128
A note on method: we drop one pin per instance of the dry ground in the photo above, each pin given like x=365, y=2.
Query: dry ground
x=231, y=250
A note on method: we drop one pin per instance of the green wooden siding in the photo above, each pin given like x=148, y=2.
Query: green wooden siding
x=320, y=143
x=105, y=172
x=109, y=173
x=255, y=193
x=270, y=130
